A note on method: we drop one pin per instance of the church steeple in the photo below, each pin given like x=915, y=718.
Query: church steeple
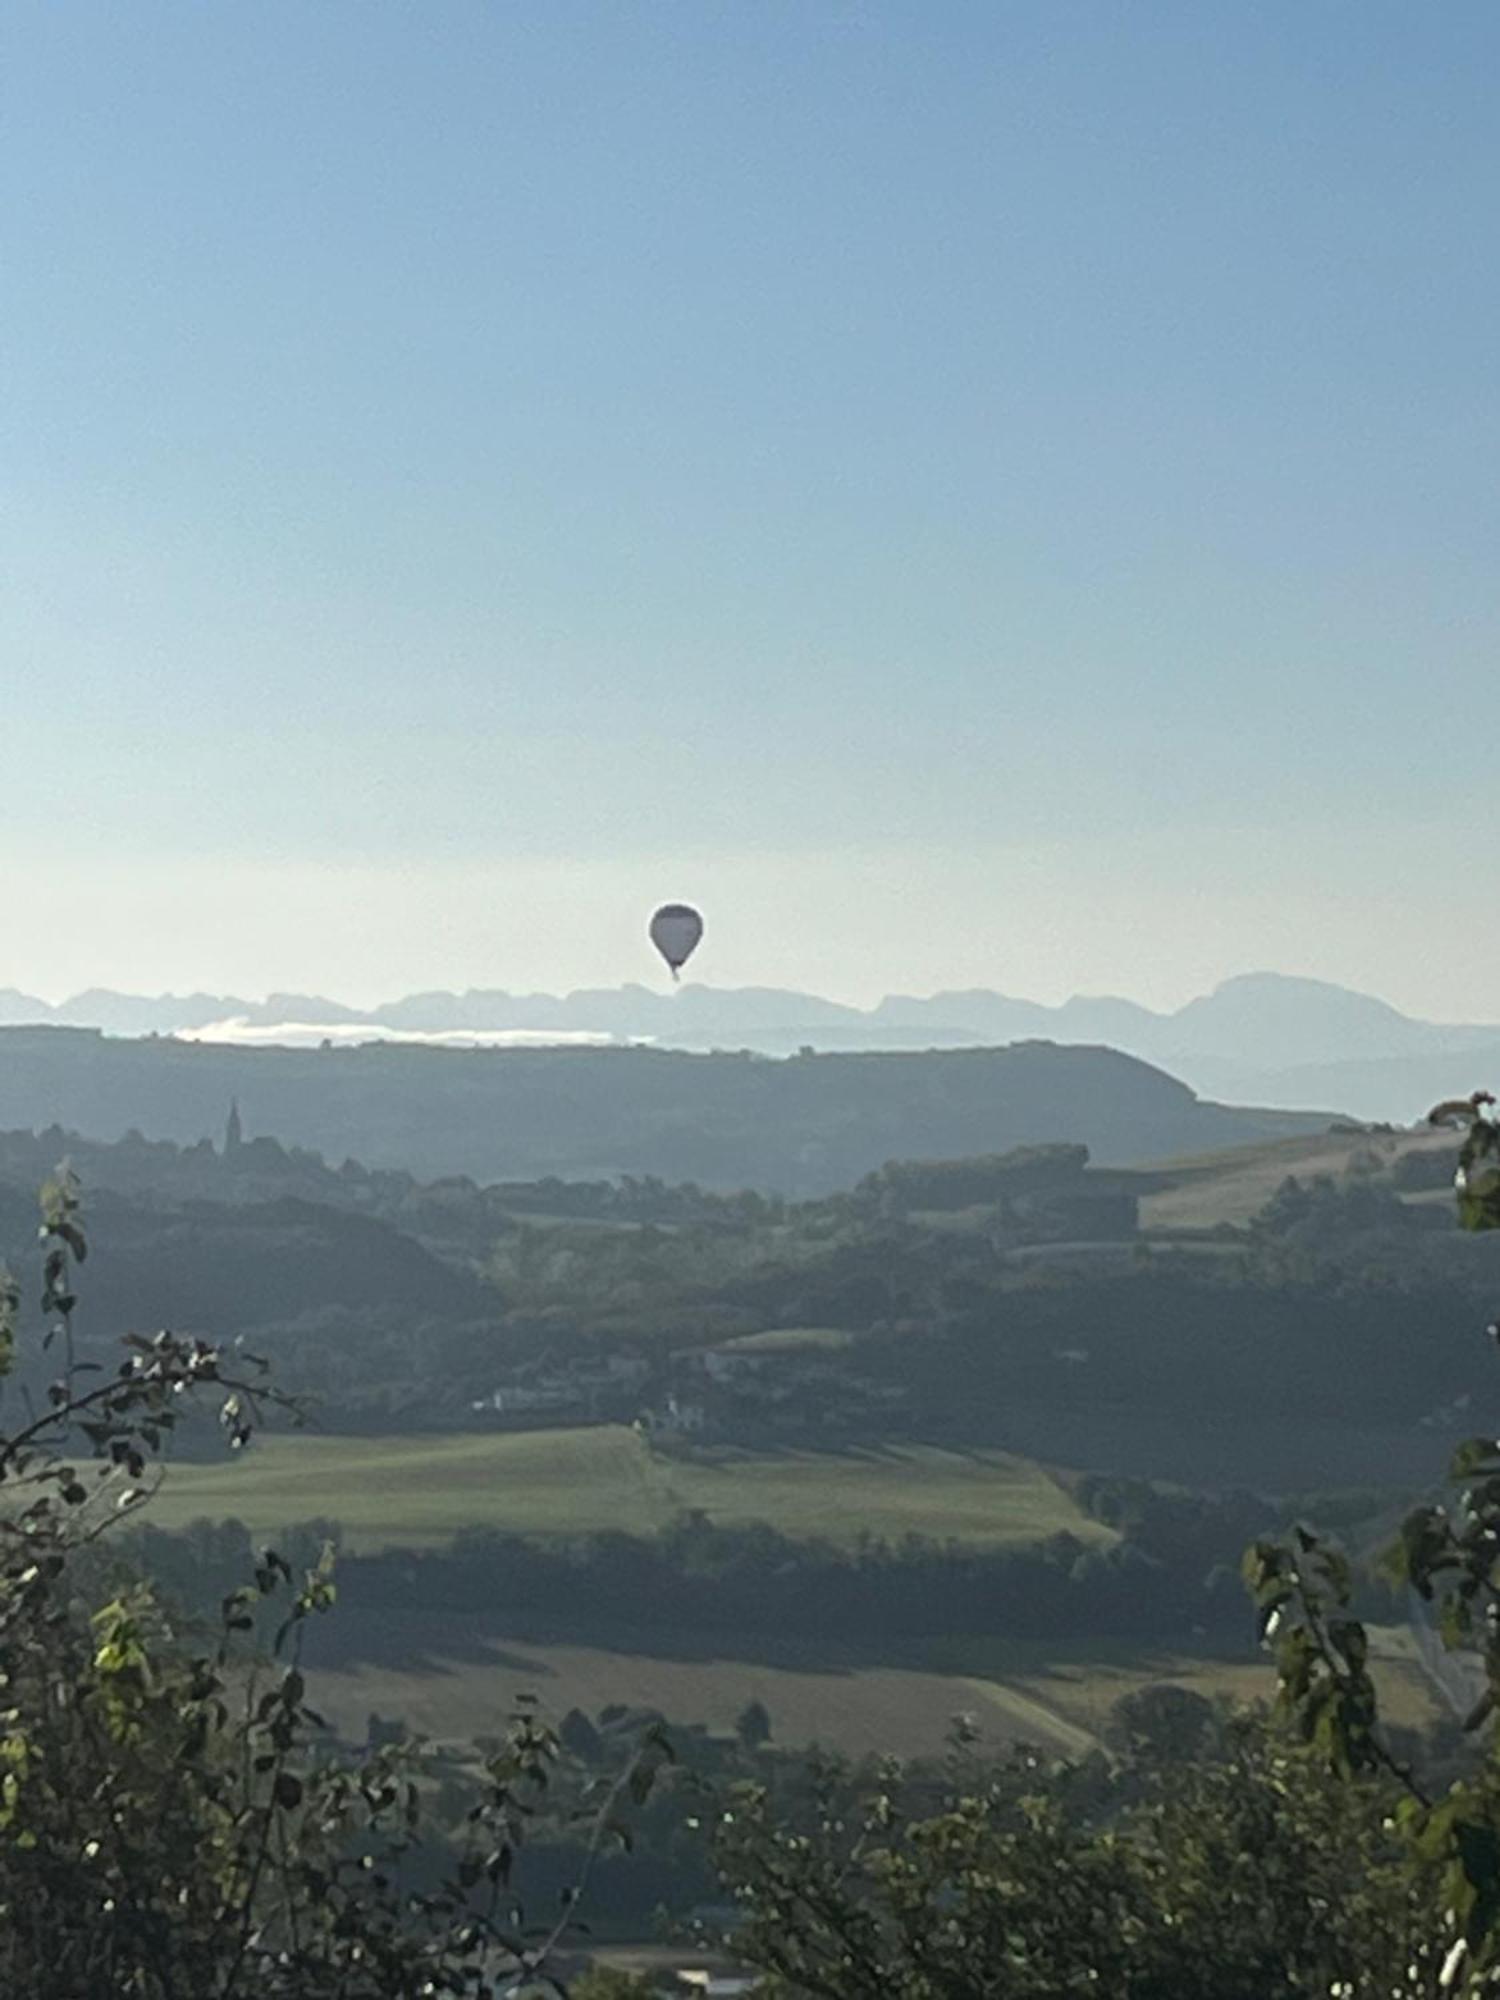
x=234, y=1131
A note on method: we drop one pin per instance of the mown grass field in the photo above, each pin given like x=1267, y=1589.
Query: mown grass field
x=465, y=1684
x=1234, y=1185
x=1083, y=1688
x=417, y=1491
x=457, y=1678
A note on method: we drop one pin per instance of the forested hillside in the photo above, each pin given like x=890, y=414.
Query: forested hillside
x=1240, y=1318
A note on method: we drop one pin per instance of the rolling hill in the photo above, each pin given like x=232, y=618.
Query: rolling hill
x=803, y=1126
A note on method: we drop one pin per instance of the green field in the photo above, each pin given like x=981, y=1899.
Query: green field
x=419, y=1490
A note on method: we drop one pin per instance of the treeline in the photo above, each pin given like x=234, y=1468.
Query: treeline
x=1177, y=1579
x=1178, y=1338
x=963, y=1356
x=903, y=1185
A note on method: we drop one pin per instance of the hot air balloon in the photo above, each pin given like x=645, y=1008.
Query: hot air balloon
x=675, y=931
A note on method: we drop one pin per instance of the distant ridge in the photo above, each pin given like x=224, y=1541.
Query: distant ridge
x=727, y=1121
x=1259, y=1037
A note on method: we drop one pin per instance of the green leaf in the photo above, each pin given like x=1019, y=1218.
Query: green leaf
x=1480, y=1455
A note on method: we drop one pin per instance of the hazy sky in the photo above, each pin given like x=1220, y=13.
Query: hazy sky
x=985, y=492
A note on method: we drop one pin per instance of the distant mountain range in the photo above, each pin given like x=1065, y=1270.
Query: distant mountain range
x=1262, y=1037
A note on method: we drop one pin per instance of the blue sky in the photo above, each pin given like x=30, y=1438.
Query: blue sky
x=972, y=493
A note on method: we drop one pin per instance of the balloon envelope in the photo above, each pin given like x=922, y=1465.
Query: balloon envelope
x=675, y=931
